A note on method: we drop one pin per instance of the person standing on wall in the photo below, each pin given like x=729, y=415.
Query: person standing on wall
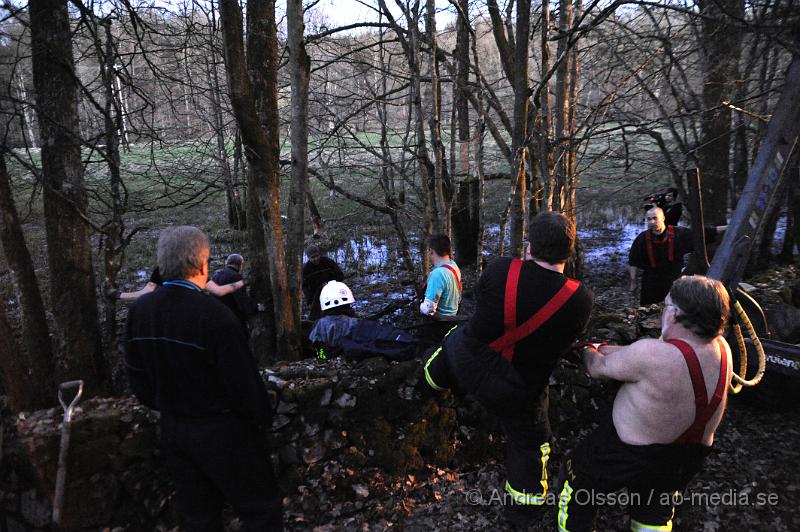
x=528, y=315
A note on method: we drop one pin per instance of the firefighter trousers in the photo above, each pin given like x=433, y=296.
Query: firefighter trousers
x=465, y=365
x=602, y=466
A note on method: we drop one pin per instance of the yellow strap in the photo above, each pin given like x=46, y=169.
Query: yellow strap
x=522, y=497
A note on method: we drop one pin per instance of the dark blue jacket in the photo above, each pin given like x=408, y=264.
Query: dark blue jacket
x=187, y=356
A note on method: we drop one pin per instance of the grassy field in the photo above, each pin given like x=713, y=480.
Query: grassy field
x=182, y=184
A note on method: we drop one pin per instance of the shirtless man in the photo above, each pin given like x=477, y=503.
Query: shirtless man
x=662, y=424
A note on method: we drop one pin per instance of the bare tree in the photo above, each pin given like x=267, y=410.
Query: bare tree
x=253, y=90
x=300, y=68
x=28, y=378
x=72, y=281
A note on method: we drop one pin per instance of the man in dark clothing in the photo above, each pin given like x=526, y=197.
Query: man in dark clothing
x=658, y=252
x=316, y=273
x=239, y=302
x=528, y=314
x=188, y=358
x=672, y=208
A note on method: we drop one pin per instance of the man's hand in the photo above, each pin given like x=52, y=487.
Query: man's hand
x=428, y=307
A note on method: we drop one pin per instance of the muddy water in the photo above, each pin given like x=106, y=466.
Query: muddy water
x=371, y=262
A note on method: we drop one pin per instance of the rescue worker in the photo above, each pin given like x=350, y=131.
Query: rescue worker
x=442, y=292
x=317, y=271
x=337, y=321
x=188, y=358
x=662, y=423
x=528, y=314
x=658, y=253
x=239, y=302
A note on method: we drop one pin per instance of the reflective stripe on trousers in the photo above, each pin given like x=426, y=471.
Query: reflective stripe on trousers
x=521, y=497
x=428, y=377
x=563, y=506
x=563, y=515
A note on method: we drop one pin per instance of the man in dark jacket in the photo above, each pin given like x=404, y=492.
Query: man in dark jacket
x=528, y=314
x=658, y=253
x=316, y=273
x=188, y=358
x=239, y=302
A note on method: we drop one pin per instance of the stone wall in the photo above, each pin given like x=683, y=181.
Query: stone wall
x=372, y=414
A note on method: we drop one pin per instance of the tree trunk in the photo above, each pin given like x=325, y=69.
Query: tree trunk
x=72, y=283
x=234, y=205
x=22, y=393
x=442, y=186
x=113, y=245
x=546, y=114
x=300, y=65
x=28, y=379
x=263, y=333
x=255, y=105
x=465, y=222
x=520, y=134
x=460, y=99
x=561, y=112
x=720, y=46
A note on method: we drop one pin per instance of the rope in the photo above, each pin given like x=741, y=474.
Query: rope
x=762, y=362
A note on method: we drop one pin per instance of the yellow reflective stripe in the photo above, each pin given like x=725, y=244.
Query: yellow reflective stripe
x=563, y=506
x=636, y=526
x=427, y=373
x=526, y=498
x=520, y=497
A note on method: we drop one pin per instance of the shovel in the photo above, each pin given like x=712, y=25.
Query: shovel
x=61, y=474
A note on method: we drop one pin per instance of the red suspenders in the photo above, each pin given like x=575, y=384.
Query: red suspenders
x=704, y=409
x=670, y=245
x=513, y=333
x=455, y=274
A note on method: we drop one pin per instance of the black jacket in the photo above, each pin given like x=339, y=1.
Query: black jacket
x=316, y=275
x=536, y=355
x=187, y=356
x=239, y=302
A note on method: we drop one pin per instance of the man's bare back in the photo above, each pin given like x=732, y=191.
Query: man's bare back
x=656, y=401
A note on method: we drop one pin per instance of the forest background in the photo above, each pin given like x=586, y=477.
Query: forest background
x=270, y=126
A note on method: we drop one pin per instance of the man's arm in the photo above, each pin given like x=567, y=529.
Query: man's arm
x=433, y=292
x=133, y=296
x=238, y=372
x=633, y=272
x=138, y=375
x=225, y=289
x=619, y=363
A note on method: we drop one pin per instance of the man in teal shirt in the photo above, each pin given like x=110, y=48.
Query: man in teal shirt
x=443, y=289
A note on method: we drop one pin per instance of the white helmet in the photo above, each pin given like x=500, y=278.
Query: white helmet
x=335, y=294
